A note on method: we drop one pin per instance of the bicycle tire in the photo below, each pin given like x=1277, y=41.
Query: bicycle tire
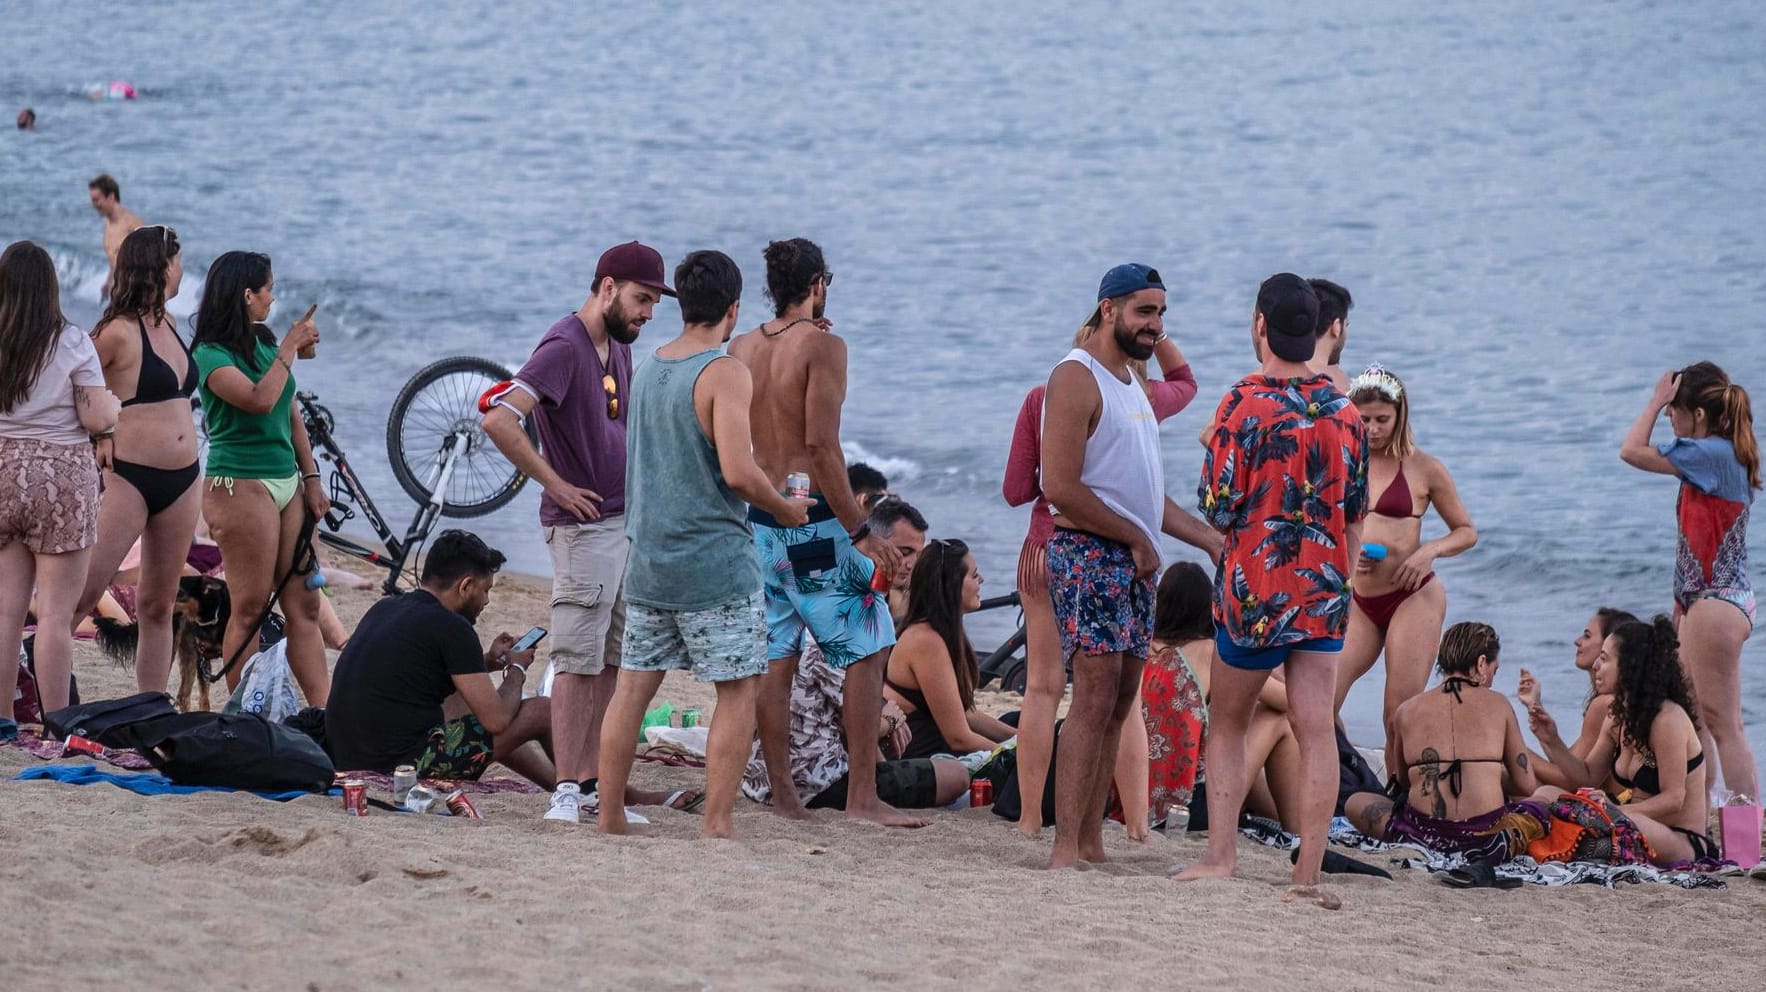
x=440, y=398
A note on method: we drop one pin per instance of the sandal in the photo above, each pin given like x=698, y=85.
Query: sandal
x=685, y=800
x=1478, y=877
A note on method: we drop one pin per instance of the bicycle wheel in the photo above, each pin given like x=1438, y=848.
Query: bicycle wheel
x=442, y=400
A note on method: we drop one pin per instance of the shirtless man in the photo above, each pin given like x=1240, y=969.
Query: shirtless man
x=817, y=576
x=1334, y=304
x=107, y=199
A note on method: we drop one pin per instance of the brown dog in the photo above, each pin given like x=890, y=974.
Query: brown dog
x=199, y=619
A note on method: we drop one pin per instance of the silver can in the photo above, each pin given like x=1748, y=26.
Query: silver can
x=419, y=799
x=797, y=485
x=403, y=778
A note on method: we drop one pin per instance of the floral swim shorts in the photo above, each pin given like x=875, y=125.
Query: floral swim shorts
x=457, y=749
x=722, y=643
x=1100, y=606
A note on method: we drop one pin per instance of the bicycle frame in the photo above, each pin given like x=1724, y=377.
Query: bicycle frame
x=348, y=495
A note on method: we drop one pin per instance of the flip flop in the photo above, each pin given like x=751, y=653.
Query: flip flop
x=695, y=800
x=1337, y=864
x=1478, y=877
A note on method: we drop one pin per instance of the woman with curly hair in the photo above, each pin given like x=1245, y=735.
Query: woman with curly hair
x=1716, y=457
x=150, y=489
x=1650, y=745
x=1398, y=606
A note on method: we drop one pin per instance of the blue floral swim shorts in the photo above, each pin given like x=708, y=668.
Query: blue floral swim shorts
x=1100, y=606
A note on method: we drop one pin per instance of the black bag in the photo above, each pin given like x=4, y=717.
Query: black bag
x=1354, y=774
x=1008, y=796
x=227, y=750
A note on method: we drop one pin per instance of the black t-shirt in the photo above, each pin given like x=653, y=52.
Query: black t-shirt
x=387, y=691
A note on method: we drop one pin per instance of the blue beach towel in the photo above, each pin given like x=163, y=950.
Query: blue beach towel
x=140, y=783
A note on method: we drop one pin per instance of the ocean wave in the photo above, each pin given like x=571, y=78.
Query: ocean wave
x=897, y=470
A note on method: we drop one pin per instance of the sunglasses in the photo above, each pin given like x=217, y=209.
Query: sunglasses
x=166, y=234
x=827, y=278
x=612, y=387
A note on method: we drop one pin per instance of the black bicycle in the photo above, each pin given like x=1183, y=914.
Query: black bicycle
x=436, y=444
x=1004, y=663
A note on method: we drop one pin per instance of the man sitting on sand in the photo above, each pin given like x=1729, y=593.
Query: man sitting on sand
x=413, y=687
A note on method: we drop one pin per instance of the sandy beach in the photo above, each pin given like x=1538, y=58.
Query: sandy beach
x=231, y=891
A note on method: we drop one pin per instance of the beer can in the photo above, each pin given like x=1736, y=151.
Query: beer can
x=797, y=485
x=690, y=718
x=459, y=805
x=75, y=744
x=355, y=797
x=981, y=792
x=879, y=580
x=403, y=778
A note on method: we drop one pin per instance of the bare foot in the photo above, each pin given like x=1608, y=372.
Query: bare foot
x=717, y=829
x=611, y=822
x=1204, y=869
x=885, y=815
x=792, y=813
x=1093, y=853
x=1321, y=897
x=1063, y=859
x=1030, y=832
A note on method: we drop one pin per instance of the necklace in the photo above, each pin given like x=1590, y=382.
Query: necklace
x=773, y=334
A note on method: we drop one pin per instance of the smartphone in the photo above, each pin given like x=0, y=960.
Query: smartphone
x=529, y=639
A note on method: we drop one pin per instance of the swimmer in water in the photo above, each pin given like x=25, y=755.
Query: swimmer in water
x=107, y=199
x=27, y=120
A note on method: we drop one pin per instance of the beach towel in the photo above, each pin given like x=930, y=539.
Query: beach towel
x=140, y=783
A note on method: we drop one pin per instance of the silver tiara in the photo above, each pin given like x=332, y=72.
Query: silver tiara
x=1378, y=379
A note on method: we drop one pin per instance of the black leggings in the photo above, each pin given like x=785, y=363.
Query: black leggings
x=159, y=487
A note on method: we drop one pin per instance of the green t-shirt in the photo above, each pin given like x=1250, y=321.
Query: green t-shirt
x=245, y=445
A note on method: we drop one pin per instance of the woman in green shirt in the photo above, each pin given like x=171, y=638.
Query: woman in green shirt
x=261, y=480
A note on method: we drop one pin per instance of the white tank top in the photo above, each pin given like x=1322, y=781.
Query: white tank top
x=1122, y=466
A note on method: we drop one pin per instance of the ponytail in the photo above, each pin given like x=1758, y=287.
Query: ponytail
x=1738, y=422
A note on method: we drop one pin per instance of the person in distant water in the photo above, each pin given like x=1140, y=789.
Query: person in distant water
x=107, y=199
x=1459, y=756
x=1106, y=488
x=817, y=577
x=261, y=480
x=413, y=686
x=1650, y=746
x=53, y=403
x=576, y=387
x=1716, y=457
x=150, y=492
x=868, y=484
x=692, y=583
x=27, y=120
x=1334, y=304
x=1595, y=710
x=1046, y=679
x=896, y=521
x=1398, y=605
x=1285, y=479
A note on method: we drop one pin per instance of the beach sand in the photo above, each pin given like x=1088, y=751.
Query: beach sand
x=105, y=888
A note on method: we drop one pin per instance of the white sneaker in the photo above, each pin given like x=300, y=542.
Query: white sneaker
x=567, y=801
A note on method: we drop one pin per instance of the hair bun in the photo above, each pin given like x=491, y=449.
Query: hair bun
x=1663, y=635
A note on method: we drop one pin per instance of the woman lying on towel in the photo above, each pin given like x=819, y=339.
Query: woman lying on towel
x=1650, y=744
x=1456, y=756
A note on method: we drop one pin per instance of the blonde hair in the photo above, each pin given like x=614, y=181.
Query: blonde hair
x=1378, y=385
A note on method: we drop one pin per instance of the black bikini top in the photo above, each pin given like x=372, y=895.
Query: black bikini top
x=1453, y=772
x=156, y=382
x=1649, y=777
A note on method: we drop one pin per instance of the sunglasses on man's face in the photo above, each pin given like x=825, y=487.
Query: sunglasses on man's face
x=612, y=387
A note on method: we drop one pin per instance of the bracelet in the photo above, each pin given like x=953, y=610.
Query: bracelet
x=309, y=475
x=285, y=364
x=101, y=435
x=515, y=665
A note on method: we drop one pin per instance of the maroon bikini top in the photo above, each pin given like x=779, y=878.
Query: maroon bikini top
x=1396, y=501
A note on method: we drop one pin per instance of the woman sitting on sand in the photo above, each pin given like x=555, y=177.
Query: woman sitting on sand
x=932, y=671
x=1650, y=744
x=261, y=479
x=1594, y=712
x=1457, y=754
x=1398, y=605
x=1174, y=695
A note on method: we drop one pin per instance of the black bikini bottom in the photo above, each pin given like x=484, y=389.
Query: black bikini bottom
x=159, y=487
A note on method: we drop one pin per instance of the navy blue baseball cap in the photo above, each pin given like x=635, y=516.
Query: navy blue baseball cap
x=1129, y=277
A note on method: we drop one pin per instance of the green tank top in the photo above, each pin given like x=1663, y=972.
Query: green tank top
x=691, y=547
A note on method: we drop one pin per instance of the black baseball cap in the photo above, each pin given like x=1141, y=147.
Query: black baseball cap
x=1290, y=315
x=633, y=262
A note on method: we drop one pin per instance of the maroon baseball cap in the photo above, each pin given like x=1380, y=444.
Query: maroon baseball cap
x=633, y=262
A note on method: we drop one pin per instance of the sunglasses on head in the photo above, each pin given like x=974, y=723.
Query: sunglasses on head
x=611, y=385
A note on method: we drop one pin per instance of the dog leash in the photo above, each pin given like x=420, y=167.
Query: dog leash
x=304, y=562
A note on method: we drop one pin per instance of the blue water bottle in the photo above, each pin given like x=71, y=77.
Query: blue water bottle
x=1374, y=552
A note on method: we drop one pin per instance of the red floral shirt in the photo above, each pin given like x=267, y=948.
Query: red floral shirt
x=1284, y=477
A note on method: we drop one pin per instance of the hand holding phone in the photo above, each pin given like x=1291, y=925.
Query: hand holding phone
x=529, y=640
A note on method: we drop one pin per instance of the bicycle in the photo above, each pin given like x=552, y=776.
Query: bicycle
x=1004, y=663
x=439, y=453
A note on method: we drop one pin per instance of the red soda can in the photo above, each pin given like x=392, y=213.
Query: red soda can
x=355, y=797
x=981, y=792
x=879, y=580
x=75, y=744
x=459, y=805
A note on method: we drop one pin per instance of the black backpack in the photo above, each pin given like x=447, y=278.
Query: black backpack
x=228, y=750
